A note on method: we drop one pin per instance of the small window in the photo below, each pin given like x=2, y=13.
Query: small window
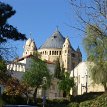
x=50, y=53
x=65, y=51
x=60, y=53
x=57, y=52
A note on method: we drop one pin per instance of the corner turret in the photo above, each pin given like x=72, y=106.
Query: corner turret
x=29, y=47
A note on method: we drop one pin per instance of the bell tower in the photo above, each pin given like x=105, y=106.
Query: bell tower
x=29, y=47
x=66, y=55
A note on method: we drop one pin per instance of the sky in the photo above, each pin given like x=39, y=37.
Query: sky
x=41, y=18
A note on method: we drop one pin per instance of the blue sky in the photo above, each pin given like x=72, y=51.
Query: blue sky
x=40, y=17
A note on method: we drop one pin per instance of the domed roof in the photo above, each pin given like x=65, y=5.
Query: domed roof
x=33, y=46
x=28, y=42
x=55, y=41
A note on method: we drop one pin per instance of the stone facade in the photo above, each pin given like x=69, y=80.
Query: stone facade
x=83, y=80
x=59, y=47
x=56, y=47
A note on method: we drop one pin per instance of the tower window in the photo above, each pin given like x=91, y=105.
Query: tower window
x=57, y=52
x=50, y=53
x=60, y=53
x=65, y=51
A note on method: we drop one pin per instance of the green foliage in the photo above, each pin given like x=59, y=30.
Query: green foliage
x=85, y=97
x=101, y=101
x=1, y=102
x=96, y=47
x=34, y=76
x=57, y=69
x=4, y=74
x=8, y=31
x=13, y=99
x=73, y=104
x=66, y=83
x=57, y=103
x=86, y=103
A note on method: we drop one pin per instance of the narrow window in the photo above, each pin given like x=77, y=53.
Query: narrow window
x=60, y=53
x=50, y=53
x=57, y=52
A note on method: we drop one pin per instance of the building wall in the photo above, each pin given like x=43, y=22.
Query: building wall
x=50, y=54
x=83, y=80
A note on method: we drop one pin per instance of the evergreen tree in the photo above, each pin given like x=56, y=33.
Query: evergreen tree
x=57, y=73
x=66, y=83
x=7, y=31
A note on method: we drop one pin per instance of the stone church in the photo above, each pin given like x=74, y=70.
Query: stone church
x=55, y=47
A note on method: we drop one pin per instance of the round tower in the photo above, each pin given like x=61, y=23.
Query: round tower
x=29, y=47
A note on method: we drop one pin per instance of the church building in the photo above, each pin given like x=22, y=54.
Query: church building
x=55, y=47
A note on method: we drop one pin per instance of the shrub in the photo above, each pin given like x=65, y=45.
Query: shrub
x=73, y=104
x=86, y=103
x=100, y=101
x=1, y=102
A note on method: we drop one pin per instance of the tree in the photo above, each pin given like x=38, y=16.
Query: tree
x=4, y=74
x=35, y=75
x=66, y=84
x=7, y=31
x=59, y=70
x=57, y=73
x=14, y=87
x=96, y=48
x=92, y=16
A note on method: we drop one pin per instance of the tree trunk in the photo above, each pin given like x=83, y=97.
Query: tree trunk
x=27, y=98
x=35, y=96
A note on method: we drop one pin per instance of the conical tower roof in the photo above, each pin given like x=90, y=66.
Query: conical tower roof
x=55, y=41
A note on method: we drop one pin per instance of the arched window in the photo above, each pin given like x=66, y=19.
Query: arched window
x=50, y=53
x=57, y=52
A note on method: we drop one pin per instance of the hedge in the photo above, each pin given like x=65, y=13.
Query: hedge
x=73, y=104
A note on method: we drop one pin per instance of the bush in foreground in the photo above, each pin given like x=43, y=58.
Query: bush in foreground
x=73, y=104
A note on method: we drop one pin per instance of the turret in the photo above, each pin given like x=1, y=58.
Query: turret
x=29, y=47
x=66, y=54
